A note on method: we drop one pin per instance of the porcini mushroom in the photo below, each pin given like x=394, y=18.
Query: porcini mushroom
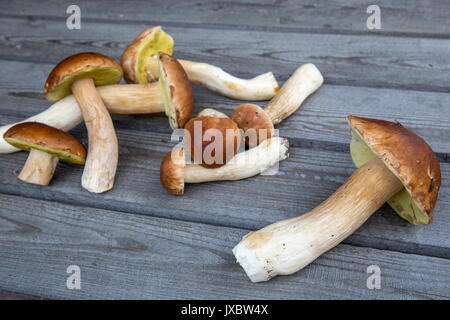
x=80, y=74
x=175, y=172
x=258, y=123
x=394, y=165
x=140, y=66
x=211, y=141
x=46, y=145
x=124, y=99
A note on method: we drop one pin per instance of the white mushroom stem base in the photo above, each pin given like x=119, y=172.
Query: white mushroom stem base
x=301, y=84
x=287, y=246
x=101, y=162
x=121, y=98
x=262, y=87
x=243, y=165
x=39, y=168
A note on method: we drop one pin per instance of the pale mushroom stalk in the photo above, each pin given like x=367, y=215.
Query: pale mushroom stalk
x=101, y=163
x=65, y=114
x=301, y=84
x=394, y=166
x=262, y=87
x=140, y=66
x=258, y=123
x=39, y=168
x=175, y=172
x=287, y=246
x=243, y=165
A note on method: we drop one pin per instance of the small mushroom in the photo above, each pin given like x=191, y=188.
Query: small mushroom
x=80, y=74
x=140, y=66
x=46, y=145
x=258, y=123
x=394, y=165
x=175, y=172
x=125, y=99
x=211, y=141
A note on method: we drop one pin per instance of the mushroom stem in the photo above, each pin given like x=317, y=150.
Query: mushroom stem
x=122, y=98
x=38, y=168
x=287, y=246
x=132, y=98
x=101, y=162
x=243, y=165
x=303, y=82
x=262, y=87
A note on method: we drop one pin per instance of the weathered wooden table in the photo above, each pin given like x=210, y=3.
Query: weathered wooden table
x=138, y=241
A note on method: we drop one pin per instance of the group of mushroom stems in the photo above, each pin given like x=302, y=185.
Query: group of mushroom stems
x=220, y=147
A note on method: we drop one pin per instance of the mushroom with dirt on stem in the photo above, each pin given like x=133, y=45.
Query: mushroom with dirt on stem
x=175, y=172
x=258, y=123
x=124, y=99
x=140, y=66
x=394, y=165
x=80, y=74
x=47, y=145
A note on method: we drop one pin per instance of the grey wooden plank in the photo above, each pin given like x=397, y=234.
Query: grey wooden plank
x=321, y=118
x=131, y=256
x=307, y=178
x=357, y=60
x=429, y=18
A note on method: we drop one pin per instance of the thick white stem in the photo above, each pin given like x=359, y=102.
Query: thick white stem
x=39, y=168
x=302, y=83
x=132, y=98
x=243, y=165
x=65, y=114
x=101, y=162
x=262, y=87
x=287, y=246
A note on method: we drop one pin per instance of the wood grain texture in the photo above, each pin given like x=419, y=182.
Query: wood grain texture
x=423, y=18
x=138, y=241
x=305, y=179
x=132, y=256
x=357, y=60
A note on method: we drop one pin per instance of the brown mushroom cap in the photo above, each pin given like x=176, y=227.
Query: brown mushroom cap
x=148, y=43
x=172, y=171
x=251, y=116
x=102, y=69
x=39, y=136
x=176, y=91
x=226, y=128
x=408, y=156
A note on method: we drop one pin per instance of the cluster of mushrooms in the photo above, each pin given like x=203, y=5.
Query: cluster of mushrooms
x=394, y=164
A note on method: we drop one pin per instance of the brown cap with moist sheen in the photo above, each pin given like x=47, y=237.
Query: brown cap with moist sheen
x=224, y=128
x=100, y=68
x=250, y=116
x=179, y=89
x=34, y=135
x=409, y=157
x=172, y=171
